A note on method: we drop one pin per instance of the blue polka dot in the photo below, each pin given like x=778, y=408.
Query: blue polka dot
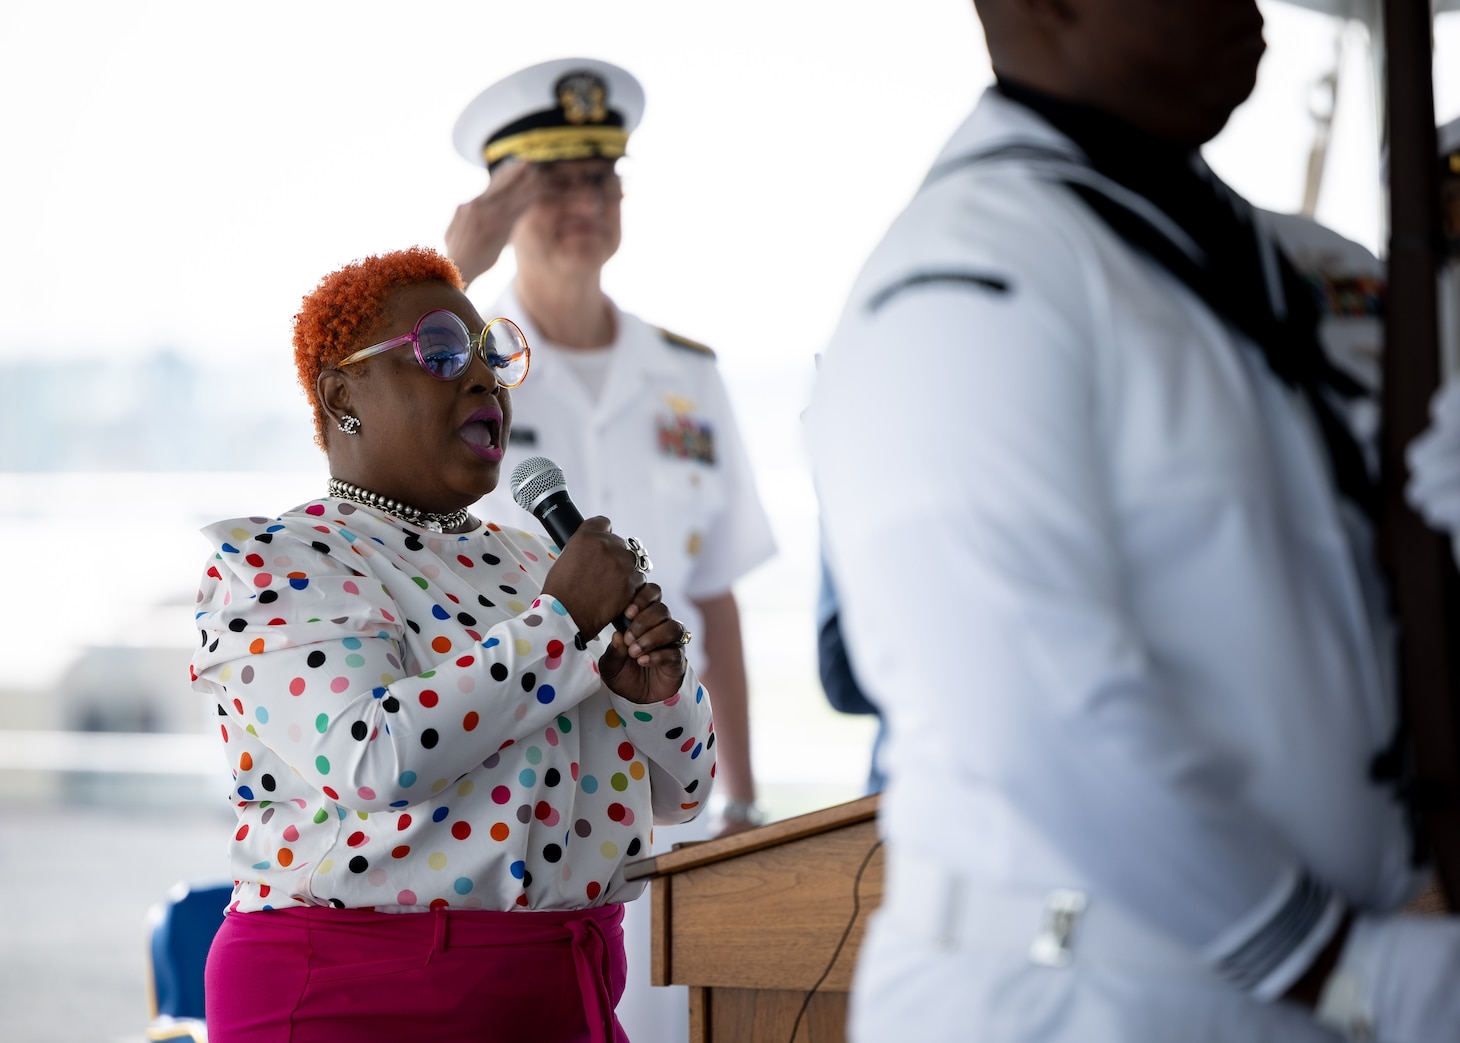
x=439, y=815
x=273, y=528
x=351, y=642
x=348, y=535
x=462, y=885
x=262, y=865
x=517, y=869
x=559, y=609
x=245, y=792
x=491, y=642
x=262, y=715
x=439, y=612
x=407, y=778
x=700, y=694
x=699, y=746
x=379, y=693
x=527, y=777
x=298, y=582
x=545, y=694
x=229, y=548
x=589, y=784
x=400, y=803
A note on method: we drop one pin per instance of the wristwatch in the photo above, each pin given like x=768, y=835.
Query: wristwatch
x=747, y=811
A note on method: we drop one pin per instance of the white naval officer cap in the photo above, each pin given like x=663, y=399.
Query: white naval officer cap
x=568, y=108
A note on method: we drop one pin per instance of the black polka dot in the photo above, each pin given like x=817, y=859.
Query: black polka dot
x=674, y=733
x=429, y=738
x=236, y=625
x=529, y=681
x=213, y=647
x=359, y=864
x=692, y=786
x=491, y=559
x=552, y=853
x=633, y=848
x=526, y=879
x=391, y=704
x=710, y=742
x=204, y=635
x=552, y=777
x=412, y=624
x=466, y=619
x=265, y=537
x=360, y=731
x=338, y=903
x=499, y=672
x=316, y=659
x=413, y=542
x=323, y=548
x=482, y=600
x=506, y=589
x=267, y=782
x=222, y=712
x=268, y=597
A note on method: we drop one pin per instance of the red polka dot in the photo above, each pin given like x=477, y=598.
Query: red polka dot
x=466, y=660
x=224, y=729
x=470, y=721
x=238, y=705
x=543, y=810
x=256, y=560
x=466, y=561
x=441, y=644
x=264, y=890
x=329, y=791
x=440, y=903
x=500, y=831
x=594, y=889
x=626, y=751
x=263, y=579
x=501, y=794
x=403, y=822
x=554, y=650
x=400, y=852
x=616, y=812
x=454, y=599
x=315, y=509
x=242, y=832
x=356, y=838
x=522, y=900
x=429, y=698
x=688, y=745
x=461, y=830
x=388, y=617
x=296, y=686
x=573, y=770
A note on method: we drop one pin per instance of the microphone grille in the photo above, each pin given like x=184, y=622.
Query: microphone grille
x=534, y=478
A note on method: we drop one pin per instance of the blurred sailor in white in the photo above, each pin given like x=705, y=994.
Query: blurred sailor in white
x=612, y=396
x=1097, y=505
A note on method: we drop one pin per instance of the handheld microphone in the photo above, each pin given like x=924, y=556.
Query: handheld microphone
x=539, y=488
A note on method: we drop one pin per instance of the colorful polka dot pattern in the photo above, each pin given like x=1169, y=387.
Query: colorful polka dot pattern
x=410, y=727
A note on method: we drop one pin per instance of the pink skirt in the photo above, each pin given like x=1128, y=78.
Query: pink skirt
x=313, y=975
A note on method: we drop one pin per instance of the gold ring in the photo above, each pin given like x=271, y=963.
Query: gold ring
x=684, y=638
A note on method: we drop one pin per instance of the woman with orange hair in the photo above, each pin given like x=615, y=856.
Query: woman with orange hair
x=440, y=769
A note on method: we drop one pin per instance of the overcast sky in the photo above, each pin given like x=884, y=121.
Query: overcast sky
x=180, y=173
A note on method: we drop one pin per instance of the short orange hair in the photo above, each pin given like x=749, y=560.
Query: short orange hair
x=347, y=306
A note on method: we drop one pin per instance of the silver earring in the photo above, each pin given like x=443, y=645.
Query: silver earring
x=350, y=424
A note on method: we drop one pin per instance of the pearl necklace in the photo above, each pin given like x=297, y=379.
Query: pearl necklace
x=435, y=522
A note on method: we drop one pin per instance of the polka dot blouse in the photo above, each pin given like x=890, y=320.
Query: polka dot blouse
x=410, y=725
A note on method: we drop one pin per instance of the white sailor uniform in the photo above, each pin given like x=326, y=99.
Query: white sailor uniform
x=1129, y=640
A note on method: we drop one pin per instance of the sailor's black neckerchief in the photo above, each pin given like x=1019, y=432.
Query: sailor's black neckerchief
x=1239, y=271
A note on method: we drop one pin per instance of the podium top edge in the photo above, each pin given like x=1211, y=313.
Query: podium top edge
x=705, y=852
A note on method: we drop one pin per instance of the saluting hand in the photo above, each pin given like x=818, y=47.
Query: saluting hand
x=481, y=227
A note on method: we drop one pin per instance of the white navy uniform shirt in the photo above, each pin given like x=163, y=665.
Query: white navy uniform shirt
x=658, y=453
x=1095, y=571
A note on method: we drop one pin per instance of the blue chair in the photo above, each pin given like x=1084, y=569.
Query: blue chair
x=180, y=929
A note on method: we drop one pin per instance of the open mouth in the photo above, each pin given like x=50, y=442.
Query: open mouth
x=485, y=433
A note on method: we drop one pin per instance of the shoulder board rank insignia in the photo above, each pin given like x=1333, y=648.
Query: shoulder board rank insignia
x=674, y=340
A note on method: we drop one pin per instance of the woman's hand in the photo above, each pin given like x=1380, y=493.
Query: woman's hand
x=595, y=577
x=645, y=663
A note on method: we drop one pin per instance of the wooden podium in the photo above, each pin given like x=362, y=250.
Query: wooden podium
x=764, y=926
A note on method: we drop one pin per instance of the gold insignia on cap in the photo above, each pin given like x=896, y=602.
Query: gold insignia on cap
x=696, y=543
x=583, y=97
